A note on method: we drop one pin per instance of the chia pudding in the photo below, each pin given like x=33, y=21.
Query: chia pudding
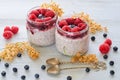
x=41, y=25
x=72, y=36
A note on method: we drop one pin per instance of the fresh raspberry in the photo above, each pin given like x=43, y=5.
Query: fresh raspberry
x=70, y=20
x=66, y=28
x=7, y=28
x=82, y=26
x=75, y=29
x=47, y=18
x=14, y=29
x=43, y=11
x=36, y=12
x=32, y=17
x=77, y=21
x=38, y=20
x=50, y=14
x=62, y=23
x=7, y=34
x=104, y=48
x=108, y=41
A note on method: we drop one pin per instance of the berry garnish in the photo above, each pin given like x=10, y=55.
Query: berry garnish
x=77, y=21
x=14, y=29
x=87, y=69
x=36, y=12
x=19, y=55
x=69, y=77
x=3, y=73
x=6, y=65
x=104, y=48
x=43, y=67
x=115, y=48
x=105, y=35
x=105, y=56
x=50, y=13
x=112, y=72
x=7, y=34
x=7, y=28
x=43, y=11
x=23, y=77
x=26, y=67
x=38, y=20
x=15, y=69
x=72, y=26
x=32, y=17
x=70, y=21
x=36, y=76
x=66, y=28
x=111, y=63
x=75, y=29
x=82, y=26
x=93, y=38
x=47, y=18
x=108, y=41
x=62, y=23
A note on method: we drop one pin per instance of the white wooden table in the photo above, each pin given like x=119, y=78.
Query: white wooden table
x=105, y=12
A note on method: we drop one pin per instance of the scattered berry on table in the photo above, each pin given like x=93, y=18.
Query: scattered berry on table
x=6, y=65
x=3, y=73
x=36, y=76
x=19, y=55
x=111, y=63
x=7, y=34
x=108, y=41
x=112, y=72
x=26, y=67
x=14, y=29
x=87, y=69
x=115, y=48
x=104, y=48
x=43, y=67
x=69, y=77
x=105, y=35
x=23, y=77
x=93, y=38
x=15, y=69
x=105, y=56
x=7, y=28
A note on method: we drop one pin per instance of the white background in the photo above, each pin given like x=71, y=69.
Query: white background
x=105, y=12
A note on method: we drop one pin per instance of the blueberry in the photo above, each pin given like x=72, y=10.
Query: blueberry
x=36, y=76
x=19, y=55
x=26, y=67
x=105, y=56
x=93, y=38
x=14, y=69
x=87, y=69
x=23, y=77
x=3, y=73
x=115, y=48
x=111, y=63
x=112, y=72
x=40, y=16
x=69, y=77
x=105, y=35
x=43, y=67
x=72, y=26
x=6, y=65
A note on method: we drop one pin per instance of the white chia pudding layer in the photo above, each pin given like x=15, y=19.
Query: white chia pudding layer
x=42, y=38
x=70, y=47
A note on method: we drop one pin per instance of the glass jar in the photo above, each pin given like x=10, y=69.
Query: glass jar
x=41, y=33
x=69, y=43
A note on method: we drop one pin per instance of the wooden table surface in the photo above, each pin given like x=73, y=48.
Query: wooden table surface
x=105, y=12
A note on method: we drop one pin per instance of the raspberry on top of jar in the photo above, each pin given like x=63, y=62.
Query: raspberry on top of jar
x=72, y=28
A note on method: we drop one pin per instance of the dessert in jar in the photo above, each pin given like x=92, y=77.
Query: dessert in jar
x=41, y=24
x=72, y=36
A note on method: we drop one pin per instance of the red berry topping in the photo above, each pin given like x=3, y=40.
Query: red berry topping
x=108, y=41
x=75, y=29
x=36, y=12
x=70, y=20
x=77, y=21
x=82, y=26
x=38, y=20
x=66, y=28
x=63, y=23
x=32, y=17
x=50, y=14
x=7, y=34
x=14, y=29
x=47, y=18
x=104, y=48
x=43, y=11
x=7, y=28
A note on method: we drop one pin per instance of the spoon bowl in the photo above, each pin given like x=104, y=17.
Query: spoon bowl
x=53, y=61
x=53, y=69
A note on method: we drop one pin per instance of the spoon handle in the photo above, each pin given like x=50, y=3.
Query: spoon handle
x=75, y=67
